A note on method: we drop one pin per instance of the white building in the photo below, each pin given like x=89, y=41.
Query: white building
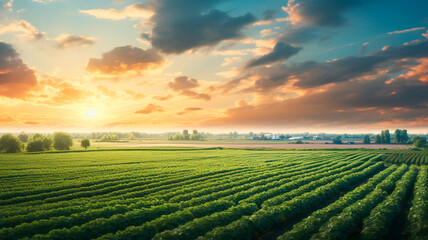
x=296, y=138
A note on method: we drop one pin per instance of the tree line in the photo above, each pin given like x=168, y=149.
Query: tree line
x=186, y=136
x=38, y=142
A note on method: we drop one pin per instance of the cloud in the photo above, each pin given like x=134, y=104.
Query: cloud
x=69, y=95
x=16, y=79
x=280, y=52
x=364, y=47
x=267, y=33
x=230, y=60
x=320, y=13
x=299, y=35
x=188, y=24
x=269, y=14
x=185, y=86
x=9, y=5
x=124, y=61
x=150, y=108
x=189, y=110
x=70, y=40
x=22, y=27
x=134, y=11
x=57, y=91
x=352, y=103
x=163, y=98
x=44, y=1
x=313, y=74
x=407, y=30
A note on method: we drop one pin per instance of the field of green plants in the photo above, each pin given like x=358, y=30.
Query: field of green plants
x=212, y=194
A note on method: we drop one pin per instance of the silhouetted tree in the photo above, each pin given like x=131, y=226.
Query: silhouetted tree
x=10, y=143
x=62, y=141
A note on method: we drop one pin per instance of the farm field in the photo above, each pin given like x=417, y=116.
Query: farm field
x=185, y=193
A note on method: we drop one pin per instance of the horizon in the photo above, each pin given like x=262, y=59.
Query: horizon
x=166, y=65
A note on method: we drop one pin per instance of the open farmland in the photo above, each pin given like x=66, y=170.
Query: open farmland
x=212, y=194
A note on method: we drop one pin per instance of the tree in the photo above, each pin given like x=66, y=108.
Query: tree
x=85, y=143
x=195, y=131
x=36, y=135
x=382, y=137
x=337, y=140
x=404, y=137
x=23, y=137
x=397, y=136
x=10, y=143
x=378, y=139
x=35, y=145
x=131, y=136
x=387, y=136
x=366, y=139
x=47, y=143
x=62, y=141
x=419, y=141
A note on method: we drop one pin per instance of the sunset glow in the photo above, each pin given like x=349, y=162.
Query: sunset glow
x=347, y=66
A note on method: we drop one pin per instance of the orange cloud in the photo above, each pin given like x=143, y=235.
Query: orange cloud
x=16, y=79
x=134, y=11
x=185, y=86
x=151, y=108
x=22, y=27
x=189, y=110
x=124, y=61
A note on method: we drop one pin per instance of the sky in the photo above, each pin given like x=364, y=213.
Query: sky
x=163, y=65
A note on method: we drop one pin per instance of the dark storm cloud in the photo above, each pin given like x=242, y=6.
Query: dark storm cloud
x=321, y=13
x=16, y=79
x=312, y=74
x=125, y=61
x=280, y=52
x=185, y=86
x=181, y=25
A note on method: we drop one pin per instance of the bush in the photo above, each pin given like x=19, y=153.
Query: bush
x=10, y=143
x=62, y=141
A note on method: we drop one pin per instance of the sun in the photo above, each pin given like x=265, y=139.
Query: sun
x=91, y=113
